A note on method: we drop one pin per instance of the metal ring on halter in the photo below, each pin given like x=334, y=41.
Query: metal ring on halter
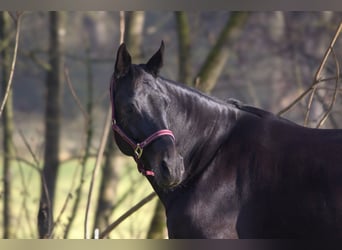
x=138, y=151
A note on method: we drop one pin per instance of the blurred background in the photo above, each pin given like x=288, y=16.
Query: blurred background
x=55, y=113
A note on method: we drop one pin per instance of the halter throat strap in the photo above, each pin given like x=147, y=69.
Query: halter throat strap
x=138, y=147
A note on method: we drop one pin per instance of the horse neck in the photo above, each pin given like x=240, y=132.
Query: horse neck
x=200, y=124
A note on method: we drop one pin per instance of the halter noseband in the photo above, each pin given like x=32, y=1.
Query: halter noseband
x=138, y=148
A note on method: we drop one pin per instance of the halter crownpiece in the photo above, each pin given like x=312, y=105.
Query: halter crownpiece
x=138, y=148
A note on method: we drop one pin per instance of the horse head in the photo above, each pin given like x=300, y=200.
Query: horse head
x=140, y=107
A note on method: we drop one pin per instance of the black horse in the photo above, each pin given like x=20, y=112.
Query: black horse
x=223, y=169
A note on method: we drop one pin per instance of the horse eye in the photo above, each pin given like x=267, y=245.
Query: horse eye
x=130, y=108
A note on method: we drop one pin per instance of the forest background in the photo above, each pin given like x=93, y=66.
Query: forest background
x=61, y=173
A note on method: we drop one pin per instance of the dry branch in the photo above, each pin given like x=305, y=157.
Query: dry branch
x=24, y=210
x=17, y=21
x=44, y=215
x=333, y=100
x=95, y=170
x=74, y=95
x=317, y=77
x=123, y=217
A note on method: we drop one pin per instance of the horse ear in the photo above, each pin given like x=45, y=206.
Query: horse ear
x=156, y=61
x=123, y=62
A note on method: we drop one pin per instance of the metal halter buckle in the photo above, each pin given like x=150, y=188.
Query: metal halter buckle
x=138, y=151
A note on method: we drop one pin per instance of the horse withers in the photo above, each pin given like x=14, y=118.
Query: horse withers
x=224, y=169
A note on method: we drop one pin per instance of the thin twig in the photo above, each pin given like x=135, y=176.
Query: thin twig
x=15, y=52
x=27, y=162
x=65, y=204
x=74, y=95
x=43, y=180
x=35, y=158
x=39, y=62
x=308, y=107
x=24, y=209
x=319, y=71
x=317, y=74
x=69, y=197
x=95, y=170
x=327, y=53
x=333, y=100
x=293, y=103
x=123, y=217
x=130, y=191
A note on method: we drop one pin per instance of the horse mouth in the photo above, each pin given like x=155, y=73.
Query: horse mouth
x=174, y=184
x=170, y=186
x=170, y=183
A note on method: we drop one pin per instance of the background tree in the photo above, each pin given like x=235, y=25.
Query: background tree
x=134, y=33
x=216, y=59
x=54, y=82
x=184, y=47
x=7, y=119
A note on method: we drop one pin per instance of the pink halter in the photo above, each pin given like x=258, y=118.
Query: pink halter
x=138, y=148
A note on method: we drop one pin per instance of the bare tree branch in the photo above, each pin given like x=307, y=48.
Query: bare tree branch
x=24, y=210
x=333, y=100
x=65, y=204
x=74, y=95
x=308, y=107
x=17, y=21
x=34, y=156
x=43, y=213
x=95, y=170
x=69, y=197
x=317, y=76
x=123, y=217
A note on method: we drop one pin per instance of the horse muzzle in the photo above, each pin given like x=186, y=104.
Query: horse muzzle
x=170, y=172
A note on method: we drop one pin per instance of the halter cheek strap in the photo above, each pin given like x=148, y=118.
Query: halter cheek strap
x=138, y=148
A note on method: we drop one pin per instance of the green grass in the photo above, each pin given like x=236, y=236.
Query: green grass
x=26, y=192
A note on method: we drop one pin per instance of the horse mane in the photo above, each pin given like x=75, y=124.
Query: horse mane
x=249, y=109
x=196, y=92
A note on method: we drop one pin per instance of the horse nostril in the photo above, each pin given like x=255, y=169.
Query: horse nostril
x=165, y=168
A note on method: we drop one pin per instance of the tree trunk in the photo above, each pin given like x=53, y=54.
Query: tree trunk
x=133, y=34
x=7, y=122
x=216, y=59
x=54, y=82
x=184, y=55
